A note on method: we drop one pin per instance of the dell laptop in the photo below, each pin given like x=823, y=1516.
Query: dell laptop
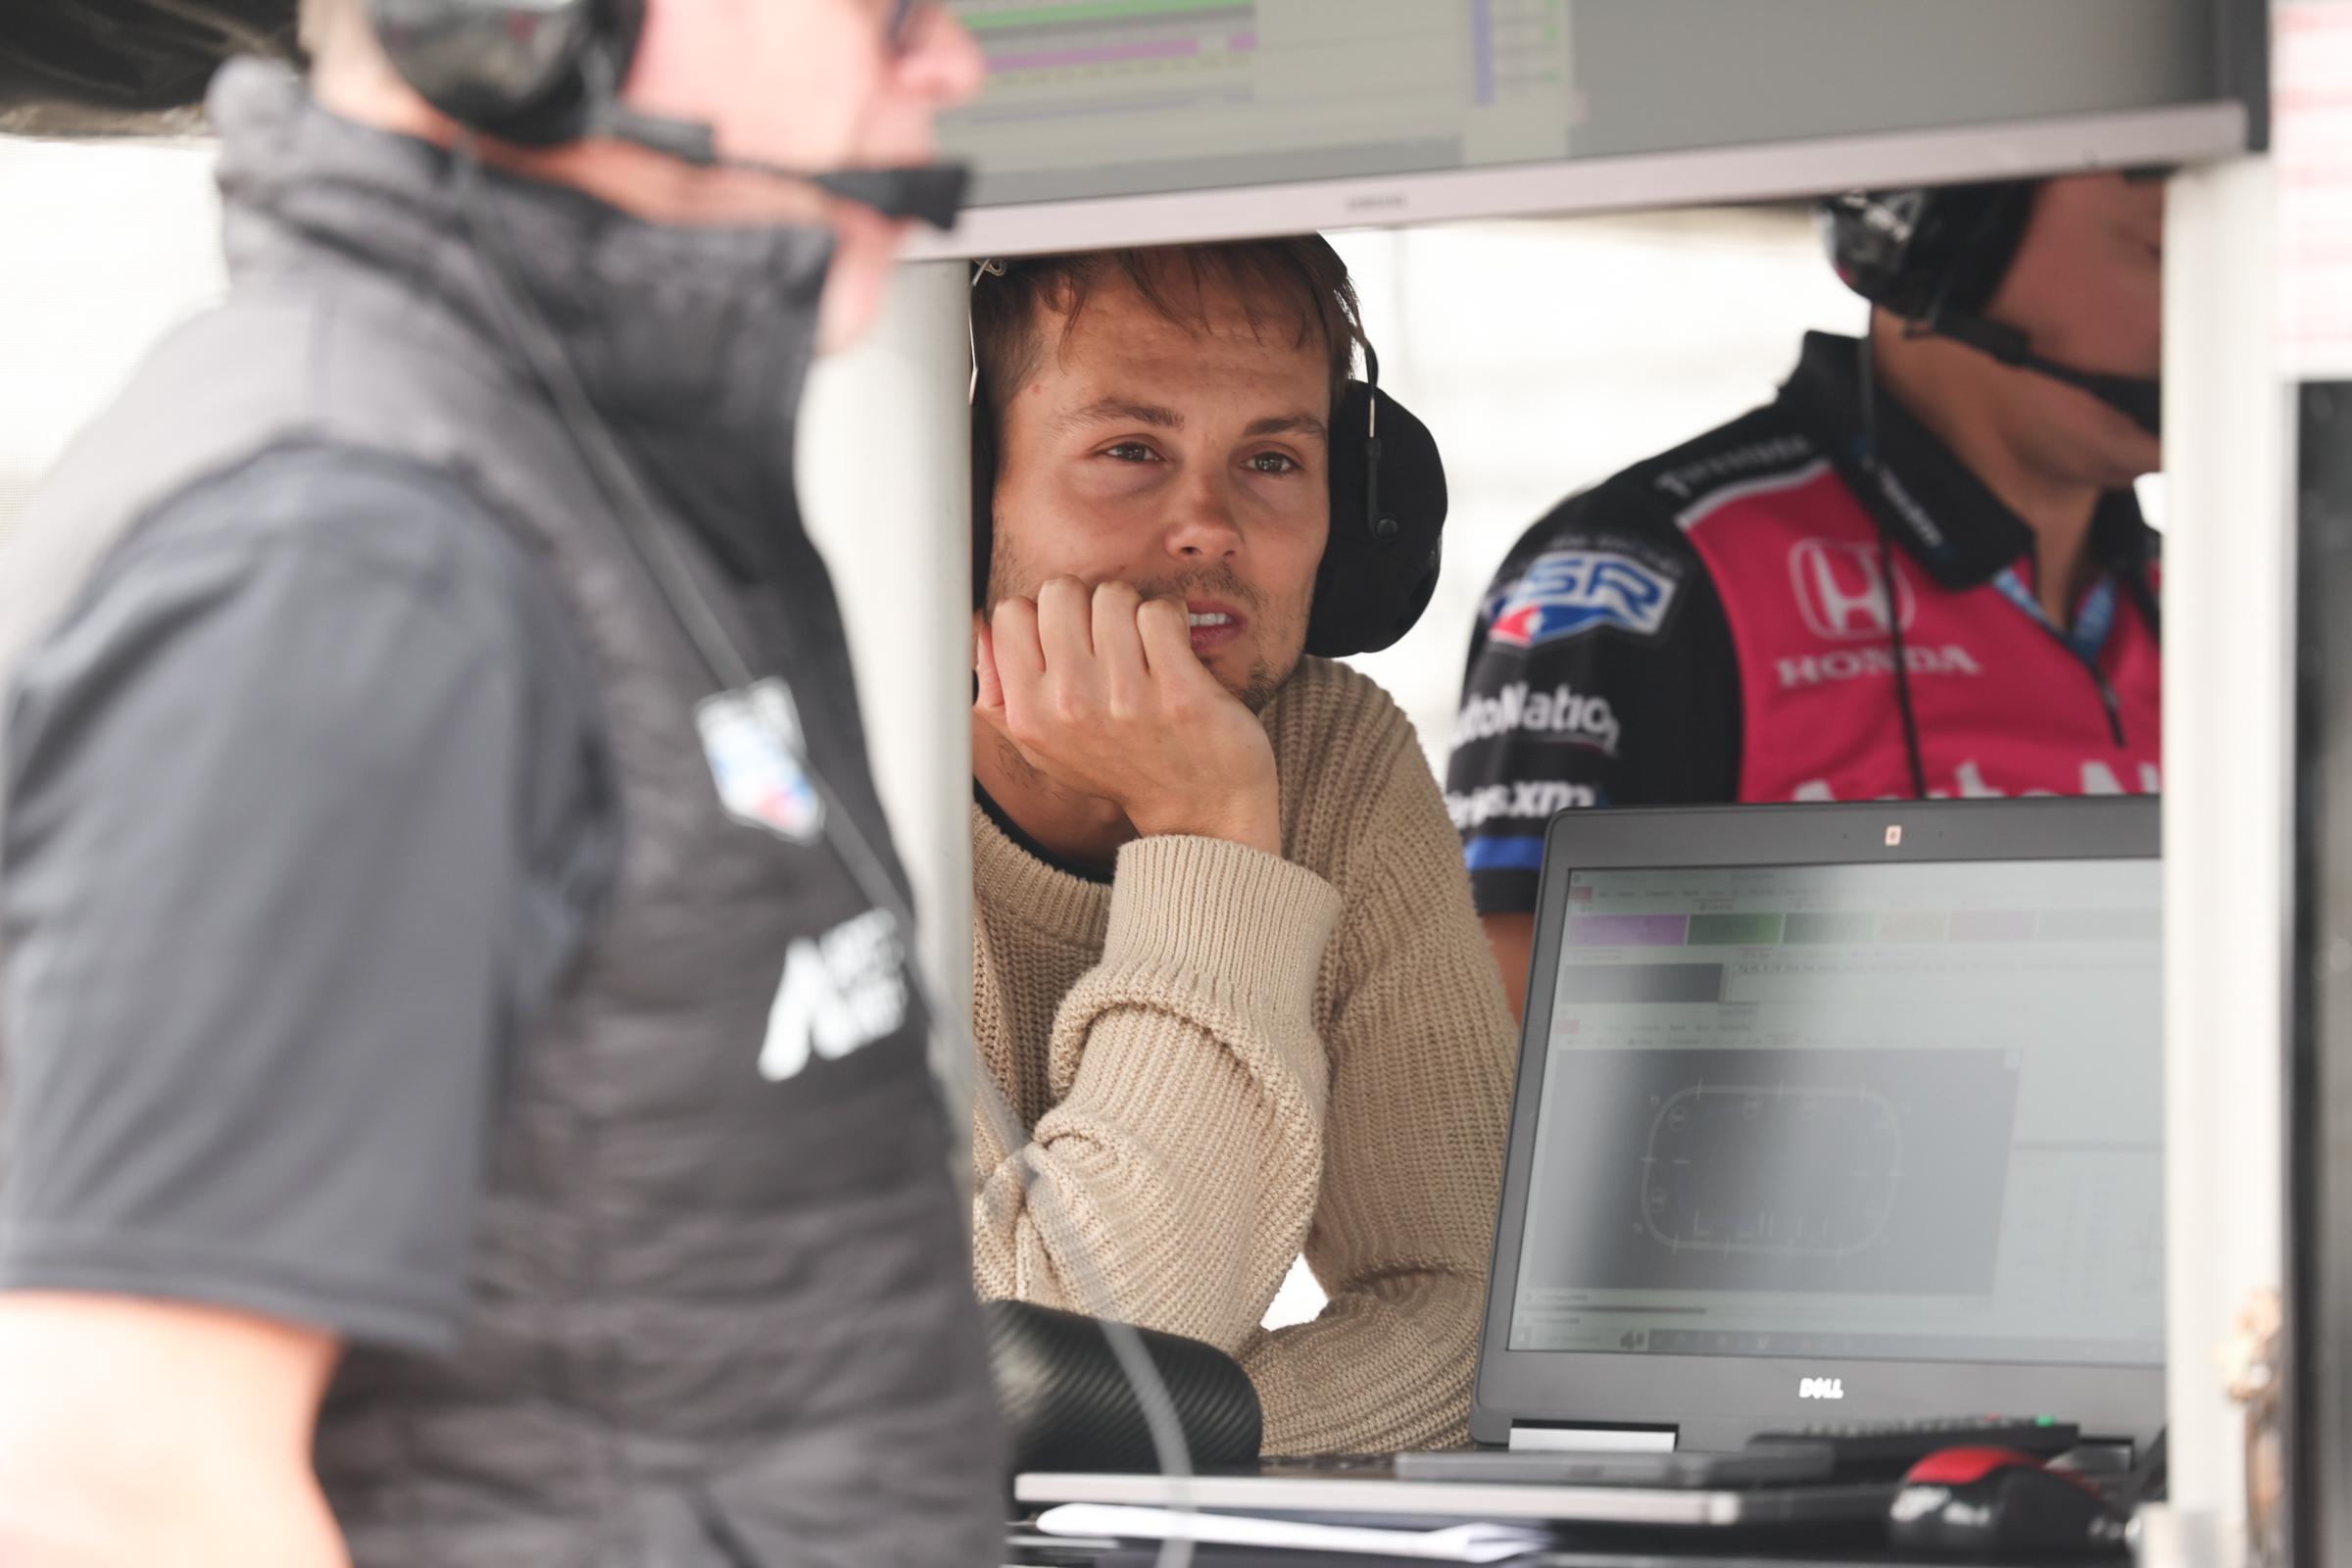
x=1835, y=1114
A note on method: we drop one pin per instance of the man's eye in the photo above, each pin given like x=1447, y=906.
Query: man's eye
x=1274, y=462
x=1131, y=452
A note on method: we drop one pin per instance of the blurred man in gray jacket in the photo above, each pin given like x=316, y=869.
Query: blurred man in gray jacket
x=465, y=1100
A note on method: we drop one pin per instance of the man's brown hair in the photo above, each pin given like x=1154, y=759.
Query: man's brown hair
x=1297, y=284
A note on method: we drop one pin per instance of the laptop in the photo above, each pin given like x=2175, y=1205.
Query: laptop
x=1825, y=1115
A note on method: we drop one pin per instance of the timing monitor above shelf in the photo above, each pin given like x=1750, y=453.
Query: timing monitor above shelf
x=1137, y=122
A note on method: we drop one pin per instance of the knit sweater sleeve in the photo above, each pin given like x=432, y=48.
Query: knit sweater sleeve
x=1172, y=1181
x=1421, y=1046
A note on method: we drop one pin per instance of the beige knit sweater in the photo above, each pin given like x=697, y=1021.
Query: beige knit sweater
x=1223, y=1058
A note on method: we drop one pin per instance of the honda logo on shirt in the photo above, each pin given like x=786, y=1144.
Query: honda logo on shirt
x=1842, y=593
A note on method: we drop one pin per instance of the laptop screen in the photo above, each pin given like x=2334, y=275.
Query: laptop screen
x=1907, y=1111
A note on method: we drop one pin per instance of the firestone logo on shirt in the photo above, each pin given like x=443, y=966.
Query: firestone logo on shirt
x=1562, y=715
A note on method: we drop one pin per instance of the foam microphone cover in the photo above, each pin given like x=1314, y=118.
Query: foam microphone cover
x=1068, y=1405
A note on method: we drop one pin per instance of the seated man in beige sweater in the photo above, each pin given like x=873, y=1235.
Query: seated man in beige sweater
x=1225, y=965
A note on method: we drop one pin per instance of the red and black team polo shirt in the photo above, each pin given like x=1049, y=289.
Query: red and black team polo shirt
x=1714, y=625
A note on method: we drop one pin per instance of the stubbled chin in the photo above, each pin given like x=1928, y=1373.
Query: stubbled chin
x=1250, y=678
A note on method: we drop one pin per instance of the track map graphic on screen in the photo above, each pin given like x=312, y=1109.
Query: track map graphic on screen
x=1904, y=1112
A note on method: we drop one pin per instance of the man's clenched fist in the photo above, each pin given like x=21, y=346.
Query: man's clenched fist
x=1101, y=690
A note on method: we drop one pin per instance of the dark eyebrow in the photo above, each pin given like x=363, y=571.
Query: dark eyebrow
x=1306, y=425
x=1118, y=411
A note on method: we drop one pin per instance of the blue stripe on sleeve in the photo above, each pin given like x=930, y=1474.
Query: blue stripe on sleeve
x=1503, y=855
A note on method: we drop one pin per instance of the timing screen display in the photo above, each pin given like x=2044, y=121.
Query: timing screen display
x=1864, y=1111
x=1094, y=98
x=1114, y=97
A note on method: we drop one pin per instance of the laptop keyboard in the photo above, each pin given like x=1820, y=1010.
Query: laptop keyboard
x=1885, y=1447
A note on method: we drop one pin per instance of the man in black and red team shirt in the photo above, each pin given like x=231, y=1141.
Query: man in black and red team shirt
x=1714, y=624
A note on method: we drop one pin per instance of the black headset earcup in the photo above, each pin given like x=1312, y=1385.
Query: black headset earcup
x=1917, y=250
x=1868, y=234
x=515, y=71
x=1388, y=520
x=1970, y=237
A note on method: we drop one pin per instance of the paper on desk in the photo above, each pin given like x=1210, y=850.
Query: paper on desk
x=1470, y=1542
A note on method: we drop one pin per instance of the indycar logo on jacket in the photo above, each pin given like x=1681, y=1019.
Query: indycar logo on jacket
x=753, y=742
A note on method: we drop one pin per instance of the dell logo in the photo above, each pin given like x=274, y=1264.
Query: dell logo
x=1821, y=1387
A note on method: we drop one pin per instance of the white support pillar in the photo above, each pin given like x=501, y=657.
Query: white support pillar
x=2229, y=708
x=885, y=483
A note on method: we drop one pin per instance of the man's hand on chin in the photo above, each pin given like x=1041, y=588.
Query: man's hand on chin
x=1102, y=692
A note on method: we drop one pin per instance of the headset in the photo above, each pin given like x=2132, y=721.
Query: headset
x=1936, y=257
x=1388, y=512
x=540, y=73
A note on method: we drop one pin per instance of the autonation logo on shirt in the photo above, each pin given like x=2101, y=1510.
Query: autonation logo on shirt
x=1559, y=715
